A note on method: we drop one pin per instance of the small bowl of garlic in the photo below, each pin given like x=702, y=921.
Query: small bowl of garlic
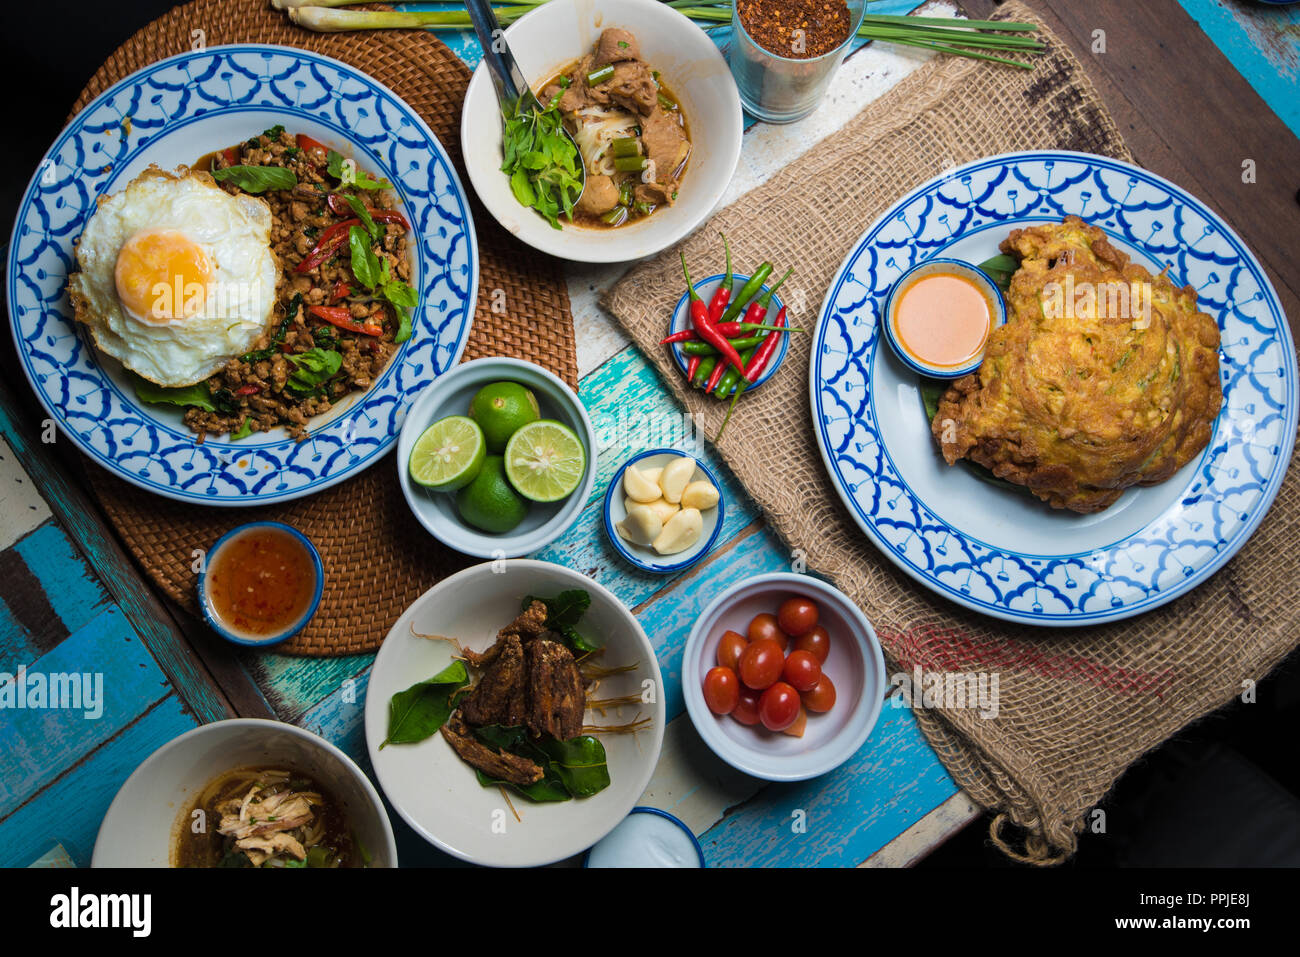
x=663, y=510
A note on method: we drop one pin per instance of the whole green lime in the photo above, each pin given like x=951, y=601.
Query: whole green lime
x=500, y=409
x=489, y=502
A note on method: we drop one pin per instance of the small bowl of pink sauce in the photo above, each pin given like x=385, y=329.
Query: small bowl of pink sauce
x=939, y=315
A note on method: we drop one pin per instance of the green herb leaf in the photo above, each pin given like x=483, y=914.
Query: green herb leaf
x=419, y=711
x=257, y=179
x=349, y=174
x=272, y=134
x=196, y=395
x=541, y=161
x=244, y=430
x=1000, y=269
x=563, y=613
x=580, y=763
x=312, y=368
x=359, y=210
x=365, y=264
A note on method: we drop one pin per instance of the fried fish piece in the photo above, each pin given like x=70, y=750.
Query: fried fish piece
x=501, y=696
x=556, y=700
x=1103, y=377
x=529, y=624
x=500, y=765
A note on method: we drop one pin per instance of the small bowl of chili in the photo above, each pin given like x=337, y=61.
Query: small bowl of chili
x=939, y=315
x=260, y=584
x=694, y=349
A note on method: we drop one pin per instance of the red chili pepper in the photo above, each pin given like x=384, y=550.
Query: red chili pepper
x=389, y=216
x=329, y=242
x=692, y=363
x=305, y=142
x=248, y=390
x=340, y=316
x=765, y=349
x=705, y=327
x=231, y=154
x=722, y=295
x=732, y=330
x=757, y=363
x=341, y=291
x=338, y=205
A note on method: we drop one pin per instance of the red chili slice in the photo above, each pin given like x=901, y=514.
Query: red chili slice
x=340, y=316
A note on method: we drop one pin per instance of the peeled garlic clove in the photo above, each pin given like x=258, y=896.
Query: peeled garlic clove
x=638, y=487
x=642, y=525
x=680, y=533
x=652, y=475
x=676, y=475
x=665, y=509
x=700, y=495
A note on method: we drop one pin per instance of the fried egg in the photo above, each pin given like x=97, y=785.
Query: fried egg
x=176, y=276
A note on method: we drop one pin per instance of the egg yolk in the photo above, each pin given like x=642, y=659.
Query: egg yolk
x=162, y=276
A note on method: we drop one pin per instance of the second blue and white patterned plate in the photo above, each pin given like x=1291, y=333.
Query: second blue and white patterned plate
x=1003, y=552
x=171, y=113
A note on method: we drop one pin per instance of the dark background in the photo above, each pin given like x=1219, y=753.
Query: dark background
x=1225, y=792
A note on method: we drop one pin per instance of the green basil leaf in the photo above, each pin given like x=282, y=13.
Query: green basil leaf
x=283, y=330
x=349, y=174
x=312, y=368
x=365, y=264
x=257, y=179
x=418, y=712
x=185, y=396
x=359, y=210
x=244, y=430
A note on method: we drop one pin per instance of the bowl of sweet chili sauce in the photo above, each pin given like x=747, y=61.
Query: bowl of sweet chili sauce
x=261, y=583
x=939, y=315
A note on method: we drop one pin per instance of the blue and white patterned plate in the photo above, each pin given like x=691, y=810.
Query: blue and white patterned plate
x=1003, y=552
x=170, y=114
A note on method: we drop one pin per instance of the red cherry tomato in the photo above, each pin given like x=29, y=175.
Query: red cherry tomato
x=822, y=697
x=761, y=663
x=796, y=730
x=721, y=690
x=802, y=670
x=778, y=708
x=746, y=710
x=730, y=647
x=765, y=626
x=817, y=642
x=797, y=616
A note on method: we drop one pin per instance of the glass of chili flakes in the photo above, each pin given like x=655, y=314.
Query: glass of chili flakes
x=784, y=52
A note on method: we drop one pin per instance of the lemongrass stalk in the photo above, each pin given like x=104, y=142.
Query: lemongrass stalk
x=957, y=51
x=328, y=20
x=1008, y=26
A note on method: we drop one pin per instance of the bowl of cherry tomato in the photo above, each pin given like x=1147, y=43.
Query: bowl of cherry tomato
x=783, y=677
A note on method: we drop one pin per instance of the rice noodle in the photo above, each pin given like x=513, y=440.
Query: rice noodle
x=597, y=128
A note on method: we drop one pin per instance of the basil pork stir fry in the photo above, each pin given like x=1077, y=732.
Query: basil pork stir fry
x=343, y=298
x=521, y=723
x=630, y=131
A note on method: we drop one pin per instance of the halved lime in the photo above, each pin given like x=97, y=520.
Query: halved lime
x=448, y=454
x=545, y=460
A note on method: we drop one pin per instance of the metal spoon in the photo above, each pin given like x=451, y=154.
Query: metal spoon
x=507, y=79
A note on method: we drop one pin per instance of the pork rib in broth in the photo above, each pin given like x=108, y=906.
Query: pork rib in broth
x=629, y=127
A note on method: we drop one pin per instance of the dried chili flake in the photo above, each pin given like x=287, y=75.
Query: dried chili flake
x=797, y=29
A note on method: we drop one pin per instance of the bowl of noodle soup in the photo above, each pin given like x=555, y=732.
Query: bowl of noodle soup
x=246, y=793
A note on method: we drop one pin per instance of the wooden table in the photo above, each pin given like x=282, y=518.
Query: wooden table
x=1198, y=87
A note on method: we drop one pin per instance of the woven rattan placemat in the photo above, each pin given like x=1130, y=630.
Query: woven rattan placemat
x=377, y=558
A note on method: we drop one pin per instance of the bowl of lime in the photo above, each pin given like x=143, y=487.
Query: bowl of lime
x=497, y=458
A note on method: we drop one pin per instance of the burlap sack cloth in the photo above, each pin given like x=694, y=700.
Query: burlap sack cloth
x=1077, y=706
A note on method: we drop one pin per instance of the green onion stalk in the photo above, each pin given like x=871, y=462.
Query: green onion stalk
x=991, y=40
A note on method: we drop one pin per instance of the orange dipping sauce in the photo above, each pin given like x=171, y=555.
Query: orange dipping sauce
x=943, y=319
x=261, y=583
